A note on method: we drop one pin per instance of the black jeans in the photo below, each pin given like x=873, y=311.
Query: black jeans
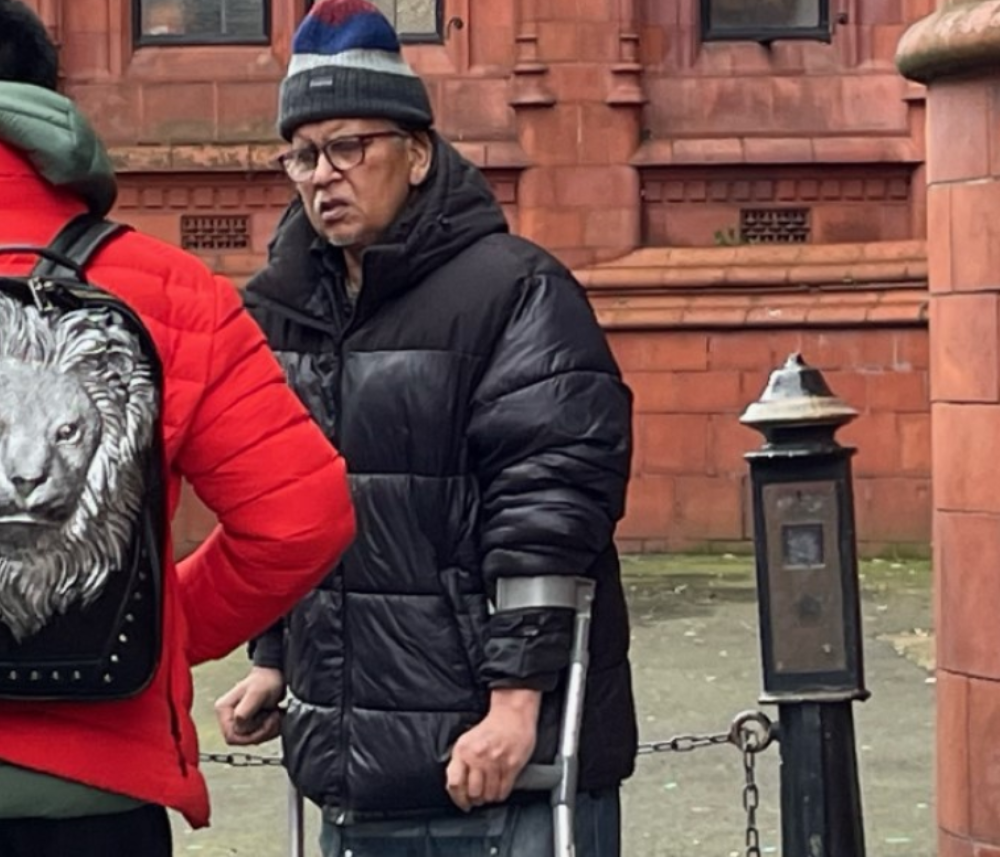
x=515, y=830
x=143, y=832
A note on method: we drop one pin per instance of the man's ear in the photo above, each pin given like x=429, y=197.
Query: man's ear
x=421, y=152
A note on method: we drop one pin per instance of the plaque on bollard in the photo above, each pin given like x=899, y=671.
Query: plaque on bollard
x=806, y=599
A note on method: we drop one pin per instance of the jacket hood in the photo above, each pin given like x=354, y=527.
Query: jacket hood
x=449, y=212
x=59, y=142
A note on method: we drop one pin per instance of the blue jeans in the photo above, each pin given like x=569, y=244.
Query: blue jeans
x=517, y=830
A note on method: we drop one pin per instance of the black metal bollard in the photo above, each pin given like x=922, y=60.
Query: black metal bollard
x=809, y=606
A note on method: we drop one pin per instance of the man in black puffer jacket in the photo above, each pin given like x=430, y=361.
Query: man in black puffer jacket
x=486, y=427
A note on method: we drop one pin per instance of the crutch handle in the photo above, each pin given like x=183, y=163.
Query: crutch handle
x=539, y=778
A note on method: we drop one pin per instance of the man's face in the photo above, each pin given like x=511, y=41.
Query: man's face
x=352, y=206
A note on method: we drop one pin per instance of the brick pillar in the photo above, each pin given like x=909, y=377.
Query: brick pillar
x=954, y=52
x=576, y=92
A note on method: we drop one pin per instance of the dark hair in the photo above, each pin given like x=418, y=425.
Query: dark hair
x=27, y=54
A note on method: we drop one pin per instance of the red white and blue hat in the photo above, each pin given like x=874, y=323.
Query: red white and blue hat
x=347, y=64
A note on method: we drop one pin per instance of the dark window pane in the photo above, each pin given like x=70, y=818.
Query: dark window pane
x=770, y=14
x=204, y=20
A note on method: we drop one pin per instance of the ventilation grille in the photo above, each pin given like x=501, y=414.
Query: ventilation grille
x=229, y=232
x=774, y=225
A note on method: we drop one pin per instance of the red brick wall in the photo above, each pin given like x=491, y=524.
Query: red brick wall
x=610, y=132
x=689, y=488
x=689, y=478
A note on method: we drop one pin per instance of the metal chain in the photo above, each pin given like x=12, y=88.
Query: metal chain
x=752, y=727
x=683, y=743
x=751, y=800
x=751, y=732
x=241, y=760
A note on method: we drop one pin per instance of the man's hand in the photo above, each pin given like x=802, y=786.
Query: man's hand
x=487, y=759
x=249, y=713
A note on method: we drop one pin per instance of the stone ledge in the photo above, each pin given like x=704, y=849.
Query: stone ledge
x=777, y=150
x=871, y=307
x=206, y=157
x=260, y=157
x=767, y=266
x=762, y=286
x=958, y=39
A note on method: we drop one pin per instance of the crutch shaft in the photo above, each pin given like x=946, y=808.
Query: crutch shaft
x=296, y=825
x=562, y=820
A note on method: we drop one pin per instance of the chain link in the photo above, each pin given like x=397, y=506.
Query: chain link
x=751, y=800
x=683, y=743
x=241, y=760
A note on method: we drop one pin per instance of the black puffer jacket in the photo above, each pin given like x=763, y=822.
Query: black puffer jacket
x=487, y=432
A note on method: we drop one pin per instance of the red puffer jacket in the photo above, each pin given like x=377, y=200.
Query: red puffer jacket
x=235, y=431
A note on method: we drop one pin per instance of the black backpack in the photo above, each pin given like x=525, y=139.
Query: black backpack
x=82, y=488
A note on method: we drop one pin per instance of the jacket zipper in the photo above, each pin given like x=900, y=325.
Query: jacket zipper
x=347, y=324
x=348, y=653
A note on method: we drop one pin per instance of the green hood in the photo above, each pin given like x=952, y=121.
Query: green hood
x=59, y=141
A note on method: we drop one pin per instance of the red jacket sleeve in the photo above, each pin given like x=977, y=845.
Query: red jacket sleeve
x=277, y=486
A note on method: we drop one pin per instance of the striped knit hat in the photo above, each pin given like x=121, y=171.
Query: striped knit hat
x=346, y=64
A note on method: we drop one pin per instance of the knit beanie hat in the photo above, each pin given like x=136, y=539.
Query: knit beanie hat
x=347, y=64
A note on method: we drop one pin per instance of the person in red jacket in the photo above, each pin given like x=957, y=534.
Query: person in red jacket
x=97, y=777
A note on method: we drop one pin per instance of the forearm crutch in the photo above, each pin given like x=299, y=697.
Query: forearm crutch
x=559, y=778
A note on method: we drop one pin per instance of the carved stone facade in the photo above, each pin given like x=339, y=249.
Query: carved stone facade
x=645, y=158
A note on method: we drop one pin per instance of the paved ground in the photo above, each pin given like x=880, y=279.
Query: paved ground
x=696, y=665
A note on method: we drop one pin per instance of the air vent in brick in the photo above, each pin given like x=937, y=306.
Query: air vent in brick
x=774, y=225
x=215, y=232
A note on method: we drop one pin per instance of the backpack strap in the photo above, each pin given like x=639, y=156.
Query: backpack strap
x=78, y=241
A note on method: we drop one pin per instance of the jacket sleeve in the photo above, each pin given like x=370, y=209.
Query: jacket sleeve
x=268, y=650
x=276, y=485
x=550, y=433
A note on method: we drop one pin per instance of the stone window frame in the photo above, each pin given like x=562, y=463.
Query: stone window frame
x=761, y=33
x=142, y=39
x=435, y=37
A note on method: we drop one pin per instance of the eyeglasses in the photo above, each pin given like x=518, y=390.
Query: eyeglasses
x=341, y=153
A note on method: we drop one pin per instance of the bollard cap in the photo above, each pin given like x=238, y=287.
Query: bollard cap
x=797, y=394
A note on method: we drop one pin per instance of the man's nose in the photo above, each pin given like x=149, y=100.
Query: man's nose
x=325, y=172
